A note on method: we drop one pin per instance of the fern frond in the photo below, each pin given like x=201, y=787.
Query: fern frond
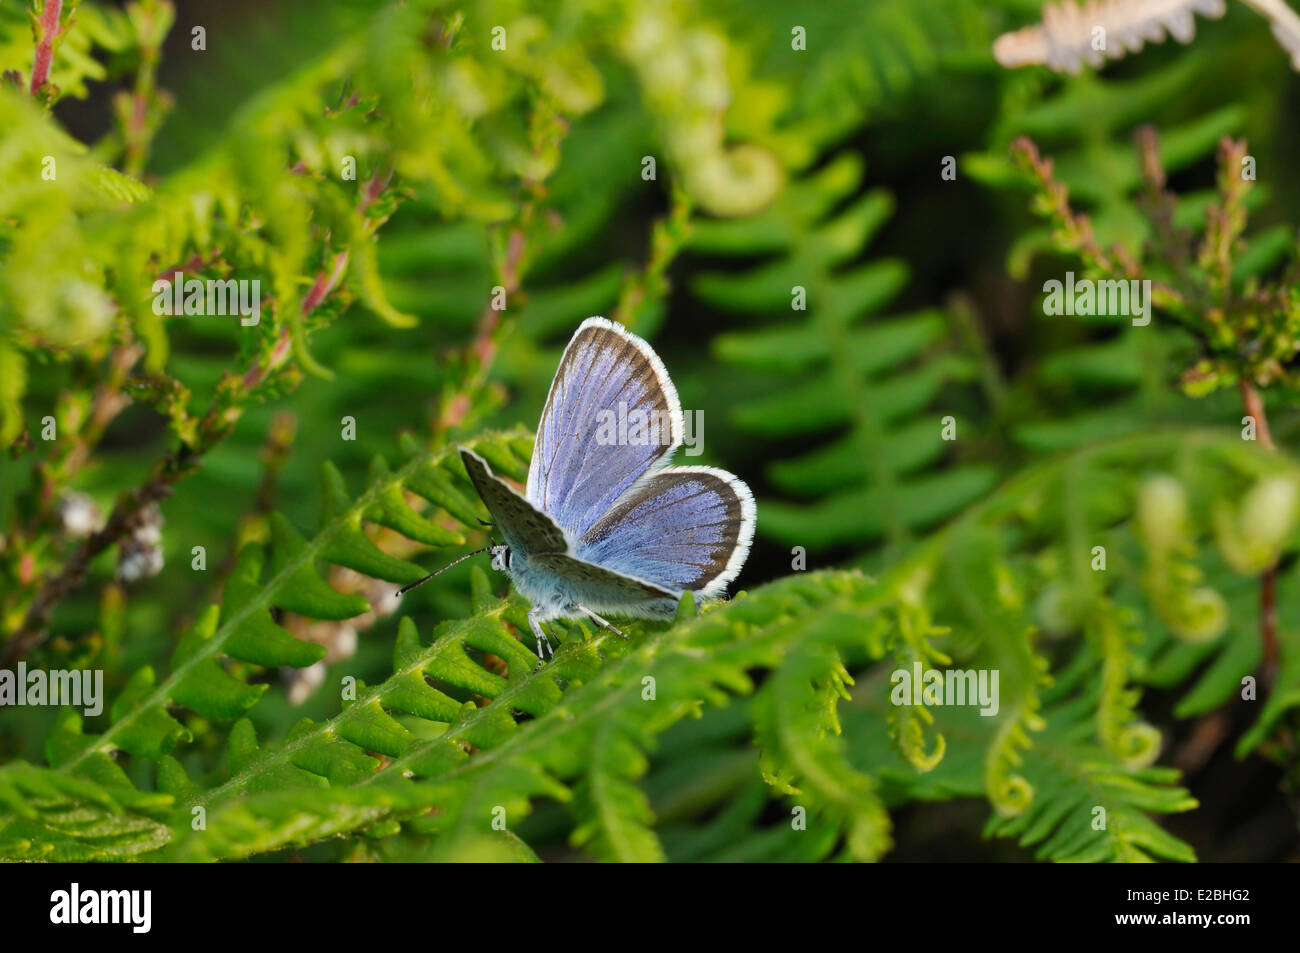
x=49, y=816
x=477, y=765
x=871, y=389
x=871, y=56
x=1077, y=803
x=1067, y=781
x=242, y=627
x=797, y=729
x=1089, y=808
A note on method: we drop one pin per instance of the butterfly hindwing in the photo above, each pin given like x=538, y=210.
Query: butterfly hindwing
x=682, y=528
x=526, y=529
x=609, y=384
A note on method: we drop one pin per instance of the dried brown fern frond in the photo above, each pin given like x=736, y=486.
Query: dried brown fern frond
x=1071, y=35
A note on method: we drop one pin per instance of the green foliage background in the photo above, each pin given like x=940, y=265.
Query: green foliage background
x=522, y=169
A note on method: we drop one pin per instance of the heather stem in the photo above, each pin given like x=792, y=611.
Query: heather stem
x=1268, y=581
x=49, y=24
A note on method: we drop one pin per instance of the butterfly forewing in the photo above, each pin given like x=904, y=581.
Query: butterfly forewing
x=612, y=414
x=526, y=529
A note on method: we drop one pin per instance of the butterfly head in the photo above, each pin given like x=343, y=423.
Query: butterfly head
x=500, y=558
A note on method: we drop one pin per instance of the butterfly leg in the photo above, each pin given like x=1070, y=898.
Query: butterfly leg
x=543, y=643
x=598, y=620
x=549, y=631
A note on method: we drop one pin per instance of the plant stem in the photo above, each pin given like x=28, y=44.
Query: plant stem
x=216, y=425
x=1268, y=581
x=1255, y=409
x=49, y=23
x=137, y=127
x=120, y=522
x=1268, y=622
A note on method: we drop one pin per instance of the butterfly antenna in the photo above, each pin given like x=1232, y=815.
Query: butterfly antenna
x=454, y=562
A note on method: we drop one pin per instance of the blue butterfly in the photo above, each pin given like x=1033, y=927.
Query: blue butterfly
x=605, y=524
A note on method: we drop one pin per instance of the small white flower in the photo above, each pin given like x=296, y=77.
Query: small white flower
x=140, y=555
x=80, y=515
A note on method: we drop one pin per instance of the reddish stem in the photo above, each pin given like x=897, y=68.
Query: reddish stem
x=1268, y=581
x=1255, y=408
x=324, y=284
x=374, y=188
x=49, y=22
x=320, y=289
